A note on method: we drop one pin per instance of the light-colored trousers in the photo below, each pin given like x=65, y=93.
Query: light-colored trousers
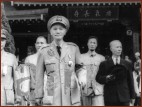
x=97, y=100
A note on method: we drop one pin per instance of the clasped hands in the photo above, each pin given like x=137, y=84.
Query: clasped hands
x=110, y=77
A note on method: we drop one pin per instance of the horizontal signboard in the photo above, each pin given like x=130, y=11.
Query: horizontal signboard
x=93, y=13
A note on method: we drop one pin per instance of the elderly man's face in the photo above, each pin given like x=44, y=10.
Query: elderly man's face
x=58, y=32
x=116, y=48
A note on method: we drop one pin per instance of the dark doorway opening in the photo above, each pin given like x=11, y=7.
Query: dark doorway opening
x=23, y=44
x=105, y=31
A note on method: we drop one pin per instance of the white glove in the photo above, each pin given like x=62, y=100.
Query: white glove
x=82, y=77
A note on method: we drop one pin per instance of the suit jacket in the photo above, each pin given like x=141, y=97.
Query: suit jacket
x=62, y=83
x=116, y=92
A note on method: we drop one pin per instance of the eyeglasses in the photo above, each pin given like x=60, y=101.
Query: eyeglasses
x=3, y=39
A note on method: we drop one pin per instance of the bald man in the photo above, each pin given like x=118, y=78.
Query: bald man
x=116, y=75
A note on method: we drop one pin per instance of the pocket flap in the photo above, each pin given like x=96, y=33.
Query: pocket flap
x=50, y=61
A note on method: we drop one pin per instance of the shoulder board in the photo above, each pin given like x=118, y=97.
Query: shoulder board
x=83, y=54
x=101, y=55
x=9, y=53
x=70, y=43
x=48, y=45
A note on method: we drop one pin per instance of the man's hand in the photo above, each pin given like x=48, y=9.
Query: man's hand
x=132, y=101
x=18, y=100
x=17, y=103
x=83, y=84
x=42, y=47
x=38, y=102
x=82, y=77
x=110, y=77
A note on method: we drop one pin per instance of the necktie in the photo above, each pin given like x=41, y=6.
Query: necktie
x=116, y=61
x=92, y=55
x=59, y=50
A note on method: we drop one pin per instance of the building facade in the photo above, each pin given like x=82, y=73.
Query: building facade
x=106, y=20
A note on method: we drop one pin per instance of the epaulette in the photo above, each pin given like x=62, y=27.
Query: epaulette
x=9, y=53
x=70, y=43
x=48, y=45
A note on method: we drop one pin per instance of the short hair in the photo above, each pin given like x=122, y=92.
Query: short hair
x=113, y=41
x=41, y=36
x=93, y=37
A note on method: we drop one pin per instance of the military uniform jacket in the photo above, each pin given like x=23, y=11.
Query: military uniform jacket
x=92, y=65
x=8, y=66
x=120, y=91
x=32, y=59
x=62, y=83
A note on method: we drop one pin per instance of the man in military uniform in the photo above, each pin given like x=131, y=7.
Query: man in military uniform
x=116, y=75
x=93, y=90
x=8, y=66
x=59, y=59
x=32, y=59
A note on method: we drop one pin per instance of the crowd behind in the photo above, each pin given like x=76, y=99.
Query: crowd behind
x=57, y=74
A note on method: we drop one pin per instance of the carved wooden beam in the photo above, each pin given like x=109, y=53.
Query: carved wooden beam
x=27, y=12
x=75, y=2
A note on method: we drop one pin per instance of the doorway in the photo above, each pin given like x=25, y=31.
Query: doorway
x=104, y=31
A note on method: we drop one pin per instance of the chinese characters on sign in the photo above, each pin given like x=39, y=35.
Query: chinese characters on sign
x=93, y=13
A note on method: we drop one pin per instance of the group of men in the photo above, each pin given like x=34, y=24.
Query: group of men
x=56, y=81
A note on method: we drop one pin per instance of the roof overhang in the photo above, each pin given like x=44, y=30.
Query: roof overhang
x=27, y=14
x=76, y=3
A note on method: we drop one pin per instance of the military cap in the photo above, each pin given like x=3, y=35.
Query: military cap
x=4, y=33
x=58, y=19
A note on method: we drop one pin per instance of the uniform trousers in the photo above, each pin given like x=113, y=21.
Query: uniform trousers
x=97, y=100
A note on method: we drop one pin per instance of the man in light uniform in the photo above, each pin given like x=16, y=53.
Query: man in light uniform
x=93, y=90
x=32, y=59
x=8, y=66
x=59, y=59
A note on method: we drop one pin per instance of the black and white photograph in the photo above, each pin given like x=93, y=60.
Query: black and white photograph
x=71, y=53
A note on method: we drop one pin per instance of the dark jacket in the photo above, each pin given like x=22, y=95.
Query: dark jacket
x=121, y=89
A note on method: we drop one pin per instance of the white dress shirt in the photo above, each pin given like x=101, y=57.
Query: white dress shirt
x=116, y=60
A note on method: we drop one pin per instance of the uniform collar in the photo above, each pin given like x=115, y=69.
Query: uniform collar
x=61, y=45
x=92, y=53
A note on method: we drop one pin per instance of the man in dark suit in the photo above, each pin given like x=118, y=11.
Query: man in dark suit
x=116, y=74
